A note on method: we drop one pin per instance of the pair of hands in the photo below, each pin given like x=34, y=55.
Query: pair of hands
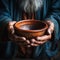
x=34, y=42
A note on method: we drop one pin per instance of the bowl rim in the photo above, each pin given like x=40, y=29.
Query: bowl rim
x=31, y=30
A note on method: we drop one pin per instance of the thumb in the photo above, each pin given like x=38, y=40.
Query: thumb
x=10, y=27
x=49, y=31
x=51, y=27
x=11, y=23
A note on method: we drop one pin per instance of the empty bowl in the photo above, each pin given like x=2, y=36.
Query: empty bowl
x=30, y=28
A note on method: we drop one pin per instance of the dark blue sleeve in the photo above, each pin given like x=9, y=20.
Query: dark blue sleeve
x=7, y=47
x=54, y=15
x=5, y=15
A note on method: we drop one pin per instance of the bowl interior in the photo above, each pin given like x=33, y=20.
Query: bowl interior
x=30, y=25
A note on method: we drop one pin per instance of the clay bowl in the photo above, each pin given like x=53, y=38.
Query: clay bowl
x=30, y=28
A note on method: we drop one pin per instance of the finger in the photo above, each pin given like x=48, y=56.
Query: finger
x=51, y=27
x=32, y=40
x=45, y=37
x=42, y=42
x=38, y=42
x=50, y=23
x=34, y=44
x=22, y=39
x=12, y=30
x=28, y=41
x=19, y=38
x=50, y=30
x=10, y=27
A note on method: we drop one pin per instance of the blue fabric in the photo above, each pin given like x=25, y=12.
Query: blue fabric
x=51, y=11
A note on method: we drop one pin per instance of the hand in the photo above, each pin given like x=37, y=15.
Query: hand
x=41, y=40
x=15, y=38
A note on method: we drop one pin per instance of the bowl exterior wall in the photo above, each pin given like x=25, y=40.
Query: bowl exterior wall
x=29, y=35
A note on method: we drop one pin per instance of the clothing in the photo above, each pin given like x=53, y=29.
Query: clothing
x=9, y=11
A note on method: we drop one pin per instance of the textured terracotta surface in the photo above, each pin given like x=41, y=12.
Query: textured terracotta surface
x=30, y=28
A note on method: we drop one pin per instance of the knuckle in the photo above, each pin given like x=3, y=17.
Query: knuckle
x=23, y=38
x=33, y=40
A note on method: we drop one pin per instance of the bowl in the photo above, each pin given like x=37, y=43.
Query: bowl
x=30, y=28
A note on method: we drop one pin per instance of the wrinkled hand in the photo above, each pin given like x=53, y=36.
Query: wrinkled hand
x=14, y=37
x=45, y=38
x=34, y=42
